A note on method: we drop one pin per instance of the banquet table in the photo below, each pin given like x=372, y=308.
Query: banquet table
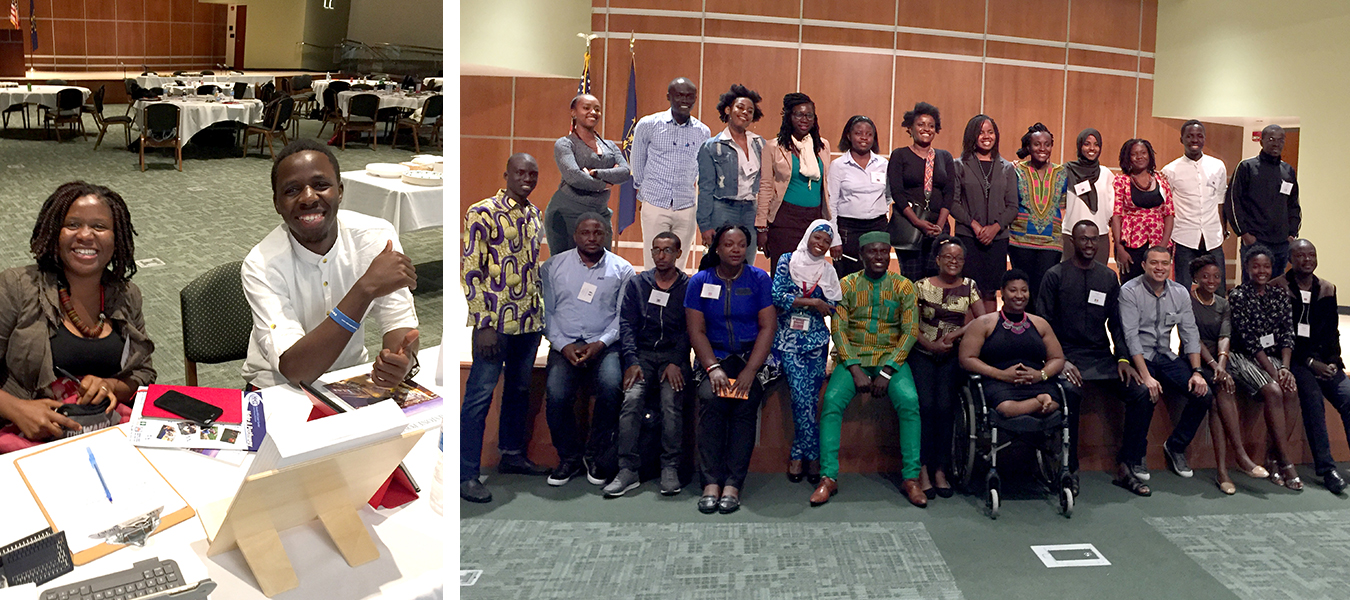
x=189, y=90
x=408, y=207
x=409, y=538
x=320, y=85
x=433, y=81
x=198, y=113
x=154, y=81
x=387, y=99
x=44, y=95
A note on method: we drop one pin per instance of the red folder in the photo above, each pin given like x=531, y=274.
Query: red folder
x=229, y=400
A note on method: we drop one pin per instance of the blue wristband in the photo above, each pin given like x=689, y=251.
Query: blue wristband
x=343, y=321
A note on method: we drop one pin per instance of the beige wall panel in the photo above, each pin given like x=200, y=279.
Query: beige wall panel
x=880, y=12
x=1016, y=51
x=953, y=87
x=485, y=106
x=694, y=5
x=1017, y=97
x=838, y=36
x=937, y=43
x=1103, y=102
x=481, y=165
x=957, y=15
x=542, y=106
x=1103, y=60
x=1105, y=23
x=770, y=71
x=751, y=30
x=844, y=85
x=770, y=8
x=1038, y=19
x=645, y=24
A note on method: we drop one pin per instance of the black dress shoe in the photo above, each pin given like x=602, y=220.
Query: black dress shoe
x=520, y=465
x=707, y=505
x=813, y=471
x=930, y=493
x=473, y=490
x=944, y=492
x=729, y=504
x=1335, y=484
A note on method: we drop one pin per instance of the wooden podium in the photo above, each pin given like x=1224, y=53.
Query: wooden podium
x=11, y=51
x=331, y=489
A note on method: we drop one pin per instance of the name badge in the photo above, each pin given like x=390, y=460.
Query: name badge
x=711, y=291
x=587, y=292
x=1306, y=295
x=1096, y=297
x=1286, y=188
x=799, y=323
x=659, y=297
x=1304, y=330
x=1171, y=319
x=1267, y=340
x=1082, y=188
x=878, y=177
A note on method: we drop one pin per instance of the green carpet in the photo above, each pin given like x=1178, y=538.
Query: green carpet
x=212, y=212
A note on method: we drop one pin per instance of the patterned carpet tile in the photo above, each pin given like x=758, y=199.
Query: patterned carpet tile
x=650, y=561
x=1295, y=556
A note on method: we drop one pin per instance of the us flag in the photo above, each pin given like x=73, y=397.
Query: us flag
x=14, y=13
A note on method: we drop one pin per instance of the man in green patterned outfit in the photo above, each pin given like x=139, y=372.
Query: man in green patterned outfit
x=874, y=327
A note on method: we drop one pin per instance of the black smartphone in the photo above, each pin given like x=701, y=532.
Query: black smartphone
x=189, y=408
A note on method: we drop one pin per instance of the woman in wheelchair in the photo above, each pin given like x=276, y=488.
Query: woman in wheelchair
x=1015, y=352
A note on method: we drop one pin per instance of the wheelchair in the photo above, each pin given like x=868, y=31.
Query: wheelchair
x=980, y=433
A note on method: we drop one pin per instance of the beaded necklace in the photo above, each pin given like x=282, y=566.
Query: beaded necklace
x=69, y=308
x=1018, y=327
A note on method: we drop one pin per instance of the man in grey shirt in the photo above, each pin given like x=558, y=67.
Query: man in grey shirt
x=1150, y=307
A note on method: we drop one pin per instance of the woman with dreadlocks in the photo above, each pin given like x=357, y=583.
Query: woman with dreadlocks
x=795, y=163
x=71, y=329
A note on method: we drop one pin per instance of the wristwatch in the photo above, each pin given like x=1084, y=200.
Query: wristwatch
x=1196, y=370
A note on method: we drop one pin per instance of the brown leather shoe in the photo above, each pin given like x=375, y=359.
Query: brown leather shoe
x=828, y=487
x=916, y=495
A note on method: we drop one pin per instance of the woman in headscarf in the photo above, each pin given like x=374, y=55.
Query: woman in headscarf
x=1090, y=196
x=805, y=290
x=794, y=195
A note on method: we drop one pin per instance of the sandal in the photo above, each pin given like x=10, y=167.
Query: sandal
x=1275, y=476
x=1291, y=479
x=1134, y=485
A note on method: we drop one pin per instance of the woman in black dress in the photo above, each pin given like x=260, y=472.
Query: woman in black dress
x=1016, y=352
x=922, y=186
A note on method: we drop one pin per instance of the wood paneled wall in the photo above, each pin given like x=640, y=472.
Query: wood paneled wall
x=97, y=35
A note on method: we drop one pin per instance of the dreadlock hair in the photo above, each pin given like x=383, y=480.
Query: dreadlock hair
x=791, y=101
x=1126, y=149
x=711, y=259
x=737, y=92
x=1025, y=150
x=51, y=220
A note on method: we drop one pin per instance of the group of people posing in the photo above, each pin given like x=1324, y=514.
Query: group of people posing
x=828, y=228
x=73, y=332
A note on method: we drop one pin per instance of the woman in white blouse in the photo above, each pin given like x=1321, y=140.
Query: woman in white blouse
x=859, y=199
x=1091, y=195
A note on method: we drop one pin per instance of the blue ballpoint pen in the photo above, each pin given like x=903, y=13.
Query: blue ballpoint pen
x=94, y=463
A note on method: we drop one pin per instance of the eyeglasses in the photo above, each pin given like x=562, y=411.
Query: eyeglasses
x=665, y=250
x=951, y=258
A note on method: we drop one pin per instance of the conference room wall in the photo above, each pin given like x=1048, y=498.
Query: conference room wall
x=96, y=35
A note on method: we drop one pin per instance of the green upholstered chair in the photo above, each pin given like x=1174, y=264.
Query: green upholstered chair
x=217, y=320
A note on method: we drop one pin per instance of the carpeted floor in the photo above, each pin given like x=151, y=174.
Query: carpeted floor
x=212, y=212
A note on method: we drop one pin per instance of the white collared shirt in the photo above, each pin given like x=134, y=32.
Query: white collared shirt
x=858, y=192
x=747, y=165
x=291, y=290
x=1198, y=188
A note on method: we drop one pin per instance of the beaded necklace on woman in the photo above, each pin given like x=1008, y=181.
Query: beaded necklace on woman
x=68, y=308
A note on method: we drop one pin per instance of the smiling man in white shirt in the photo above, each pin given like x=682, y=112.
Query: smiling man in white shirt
x=313, y=280
x=1199, y=182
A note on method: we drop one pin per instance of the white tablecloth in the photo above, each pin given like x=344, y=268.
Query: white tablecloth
x=433, y=81
x=153, y=81
x=409, y=538
x=188, y=90
x=196, y=115
x=409, y=207
x=320, y=85
x=387, y=99
x=44, y=95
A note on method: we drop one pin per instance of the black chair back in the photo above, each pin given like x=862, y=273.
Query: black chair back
x=177, y=73
x=161, y=118
x=266, y=92
x=285, y=106
x=208, y=72
x=365, y=87
x=433, y=108
x=339, y=86
x=240, y=89
x=330, y=99
x=98, y=101
x=208, y=89
x=69, y=99
x=364, y=105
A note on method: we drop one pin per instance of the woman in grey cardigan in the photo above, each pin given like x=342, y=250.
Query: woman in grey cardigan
x=984, y=205
x=589, y=165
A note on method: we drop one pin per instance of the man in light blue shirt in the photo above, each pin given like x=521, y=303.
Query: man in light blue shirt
x=1150, y=307
x=582, y=288
x=664, y=160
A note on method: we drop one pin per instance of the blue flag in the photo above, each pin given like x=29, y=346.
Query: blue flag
x=627, y=194
x=32, y=23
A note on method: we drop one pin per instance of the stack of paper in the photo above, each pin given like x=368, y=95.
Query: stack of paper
x=154, y=427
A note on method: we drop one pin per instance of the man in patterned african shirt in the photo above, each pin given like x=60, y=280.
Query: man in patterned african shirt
x=499, y=271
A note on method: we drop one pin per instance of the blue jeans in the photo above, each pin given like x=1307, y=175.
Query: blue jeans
x=1175, y=375
x=604, y=376
x=721, y=212
x=1183, y=265
x=1311, y=390
x=513, y=434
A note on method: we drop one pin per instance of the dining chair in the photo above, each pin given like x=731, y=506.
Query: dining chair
x=430, y=117
x=105, y=122
x=68, y=111
x=161, y=130
x=276, y=118
x=360, y=116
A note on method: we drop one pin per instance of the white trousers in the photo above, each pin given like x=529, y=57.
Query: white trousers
x=680, y=222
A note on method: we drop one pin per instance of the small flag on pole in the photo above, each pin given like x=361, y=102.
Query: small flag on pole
x=627, y=194
x=584, y=86
x=32, y=23
x=14, y=13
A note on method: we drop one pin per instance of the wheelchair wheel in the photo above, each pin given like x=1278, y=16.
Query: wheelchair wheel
x=1066, y=502
x=964, y=435
x=991, y=502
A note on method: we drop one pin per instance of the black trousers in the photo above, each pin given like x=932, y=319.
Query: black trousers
x=937, y=380
x=1175, y=375
x=1035, y=263
x=1138, y=415
x=726, y=430
x=668, y=415
x=849, y=232
x=1311, y=391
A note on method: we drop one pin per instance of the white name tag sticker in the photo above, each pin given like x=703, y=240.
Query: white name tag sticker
x=711, y=291
x=1286, y=188
x=659, y=297
x=799, y=323
x=1307, y=296
x=587, y=292
x=1096, y=297
x=1082, y=188
x=1267, y=340
x=1171, y=319
x=878, y=177
x=1304, y=330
